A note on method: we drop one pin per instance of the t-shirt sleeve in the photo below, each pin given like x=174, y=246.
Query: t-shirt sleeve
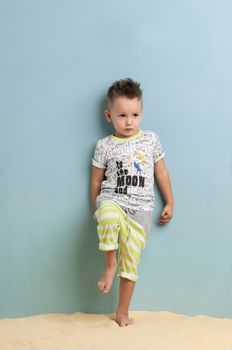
x=99, y=158
x=158, y=152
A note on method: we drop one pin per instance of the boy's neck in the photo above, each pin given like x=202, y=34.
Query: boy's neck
x=138, y=131
x=135, y=136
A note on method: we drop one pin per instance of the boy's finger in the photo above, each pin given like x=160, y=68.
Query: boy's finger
x=164, y=218
x=164, y=221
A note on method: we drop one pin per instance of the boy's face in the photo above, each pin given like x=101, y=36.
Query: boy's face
x=125, y=114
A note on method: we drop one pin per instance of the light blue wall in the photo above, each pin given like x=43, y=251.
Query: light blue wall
x=57, y=60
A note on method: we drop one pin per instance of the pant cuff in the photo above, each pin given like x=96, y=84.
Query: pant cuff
x=127, y=275
x=106, y=247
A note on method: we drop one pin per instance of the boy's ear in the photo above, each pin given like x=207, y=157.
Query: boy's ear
x=107, y=116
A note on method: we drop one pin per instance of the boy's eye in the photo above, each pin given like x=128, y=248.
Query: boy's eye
x=134, y=115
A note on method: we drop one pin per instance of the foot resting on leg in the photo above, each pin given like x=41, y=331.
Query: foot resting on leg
x=107, y=278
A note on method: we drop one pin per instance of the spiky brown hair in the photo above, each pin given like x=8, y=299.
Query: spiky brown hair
x=124, y=87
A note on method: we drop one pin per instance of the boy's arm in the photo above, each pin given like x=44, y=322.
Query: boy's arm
x=97, y=177
x=164, y=183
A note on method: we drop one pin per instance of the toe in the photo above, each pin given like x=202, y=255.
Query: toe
x=106, y=288
x=124, y=321
x=100, y=285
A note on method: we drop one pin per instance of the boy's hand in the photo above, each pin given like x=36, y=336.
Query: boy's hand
x=166, y=214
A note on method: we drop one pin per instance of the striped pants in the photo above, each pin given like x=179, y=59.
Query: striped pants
x=116, y=230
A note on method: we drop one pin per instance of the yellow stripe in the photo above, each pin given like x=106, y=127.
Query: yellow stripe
x=130, y=249
x=129, y=257
x=127, y=267
x=108, y=221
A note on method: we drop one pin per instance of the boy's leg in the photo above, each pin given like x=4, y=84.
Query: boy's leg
x=132, y=242
x=126, y=288
x=110, y=269
x=110, y=222
x=108, y=231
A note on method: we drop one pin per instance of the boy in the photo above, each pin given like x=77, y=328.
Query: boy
x=124, y=167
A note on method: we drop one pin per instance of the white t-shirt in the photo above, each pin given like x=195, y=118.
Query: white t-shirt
x=129, y=168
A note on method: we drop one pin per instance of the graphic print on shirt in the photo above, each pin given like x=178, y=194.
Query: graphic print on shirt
x=140, y=160
x=124, y=179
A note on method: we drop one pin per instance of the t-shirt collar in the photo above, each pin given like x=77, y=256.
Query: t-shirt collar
x=124, y=139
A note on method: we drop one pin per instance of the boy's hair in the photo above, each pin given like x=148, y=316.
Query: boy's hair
x=124, y=87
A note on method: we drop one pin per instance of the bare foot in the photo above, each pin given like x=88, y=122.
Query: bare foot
x=123, y=320
x=107, y=278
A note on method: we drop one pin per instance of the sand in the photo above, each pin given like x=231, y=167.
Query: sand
x=81, y=331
